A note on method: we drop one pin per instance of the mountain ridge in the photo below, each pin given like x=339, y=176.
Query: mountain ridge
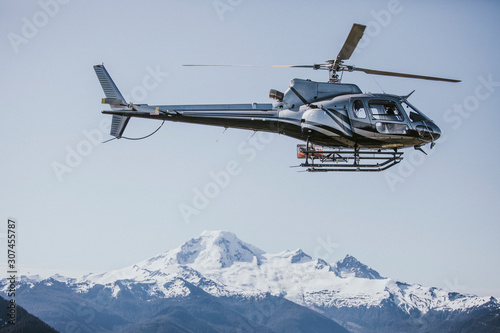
x=222, y=266
x=218, y=259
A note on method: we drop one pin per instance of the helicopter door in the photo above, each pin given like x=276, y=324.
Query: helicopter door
x=360, y=120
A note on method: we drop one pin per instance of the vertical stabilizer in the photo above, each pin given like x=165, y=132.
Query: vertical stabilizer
x=115, y=100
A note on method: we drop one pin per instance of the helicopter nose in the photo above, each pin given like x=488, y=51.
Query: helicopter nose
x=437, y=131
x=429, y=132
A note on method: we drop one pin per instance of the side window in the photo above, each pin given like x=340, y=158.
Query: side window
x=385, y=110
x=359, y=109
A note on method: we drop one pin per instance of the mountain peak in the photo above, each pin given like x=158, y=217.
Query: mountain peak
x=352, y=267
x=216, y=234
x=217, y=249
x=299, y=257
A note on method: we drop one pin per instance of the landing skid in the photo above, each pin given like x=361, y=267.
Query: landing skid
x=327, y=159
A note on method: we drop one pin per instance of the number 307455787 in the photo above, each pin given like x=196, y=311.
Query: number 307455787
x=11, y=244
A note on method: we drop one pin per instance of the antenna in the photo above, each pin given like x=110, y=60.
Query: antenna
x=378, y=85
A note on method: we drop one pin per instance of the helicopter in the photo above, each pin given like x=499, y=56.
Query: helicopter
x=343, y=128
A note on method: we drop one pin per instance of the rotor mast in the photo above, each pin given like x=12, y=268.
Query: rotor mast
x=345, y=53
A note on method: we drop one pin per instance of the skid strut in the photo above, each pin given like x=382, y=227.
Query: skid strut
x=347, y=159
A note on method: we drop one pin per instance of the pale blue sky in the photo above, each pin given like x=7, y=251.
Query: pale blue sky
x=432, y=220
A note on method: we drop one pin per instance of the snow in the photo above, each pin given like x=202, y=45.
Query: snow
x=58, y=277
x=222, y=265
x=34, y=278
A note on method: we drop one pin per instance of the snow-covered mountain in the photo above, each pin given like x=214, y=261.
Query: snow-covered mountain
x=221, y=265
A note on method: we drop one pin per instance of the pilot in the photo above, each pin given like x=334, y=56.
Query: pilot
x=391, y=115
x=391, y=110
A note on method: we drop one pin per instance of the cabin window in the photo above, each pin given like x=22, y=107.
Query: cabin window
x=391, y=128
x=359, y=109
x=385, y=110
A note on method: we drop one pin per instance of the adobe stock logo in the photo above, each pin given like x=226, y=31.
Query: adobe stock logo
x=471, y=103
x=223, y=6
x=455, y=116
x=30, y=27
x=150, y=81
x=381, y=19
x=75, y=155
x=221, y=179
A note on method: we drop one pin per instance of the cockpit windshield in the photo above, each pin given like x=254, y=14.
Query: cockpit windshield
x=413, y=113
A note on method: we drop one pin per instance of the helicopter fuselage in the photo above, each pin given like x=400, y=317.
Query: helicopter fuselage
x=326, y=114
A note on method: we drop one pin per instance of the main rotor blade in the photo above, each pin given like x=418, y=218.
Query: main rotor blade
x=284, y=66
x=412, y=76
x=351, y=42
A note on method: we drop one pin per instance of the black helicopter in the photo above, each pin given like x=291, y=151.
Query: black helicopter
x=343, y=128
